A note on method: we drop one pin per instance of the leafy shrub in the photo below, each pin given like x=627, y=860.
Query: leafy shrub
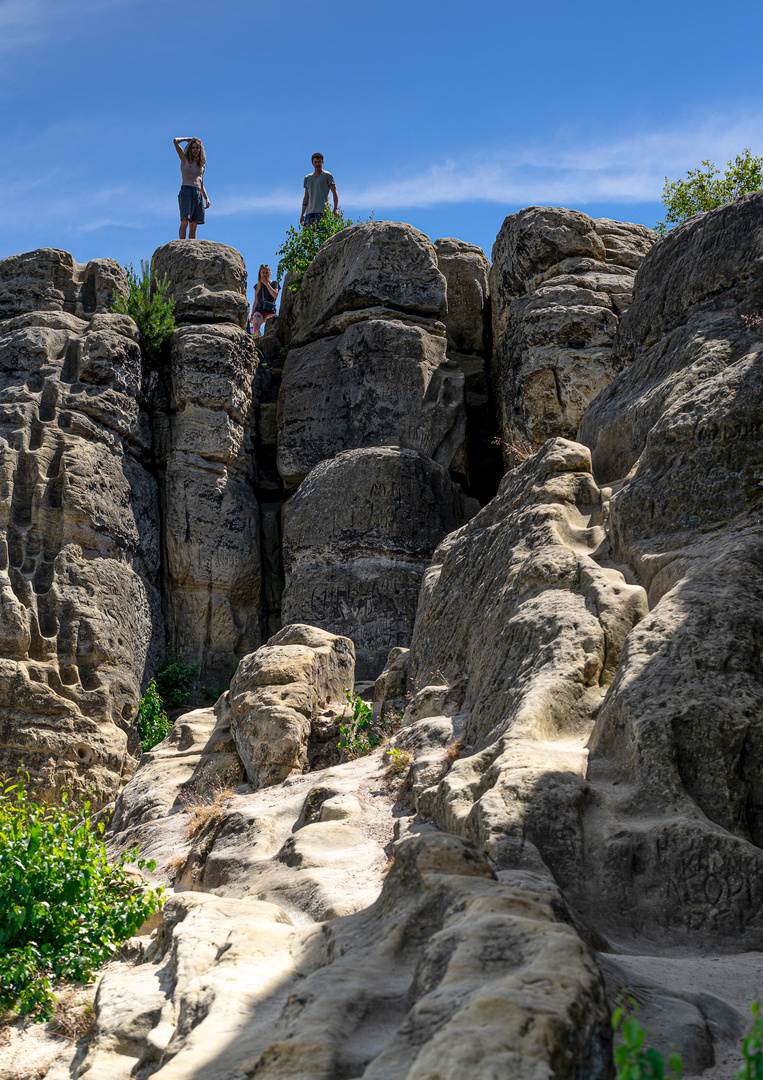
x=148, y=305
x=175, y=678
x=632, y=1061
x=65, y=908
x=398, y=761
x=752, y=1048
x=363, y=734
x=708, y=188
x=302, y=243
x=152, y=723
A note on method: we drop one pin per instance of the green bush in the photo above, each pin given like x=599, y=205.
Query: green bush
x=65, y=908
x=363, y=734
x=153, y=723
x=302, y=243
x=752, y=1048
x=175, y=678
x=708, y=188
x=632, y=1061
x=148, y=305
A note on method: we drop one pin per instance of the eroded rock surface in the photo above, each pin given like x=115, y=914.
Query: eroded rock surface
x=559, y=283
x=80, y=616
x=450, y=973
x=207, y=279
x=213, y=583
x=276, y=693
x=358, y=535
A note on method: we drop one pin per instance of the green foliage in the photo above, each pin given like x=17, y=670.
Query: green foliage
x=633, y=1062
x=175, y=678
x=752, y=1048
x=148, y=305
x=153, y=724
x=65, y=908
x=302, y=243
x=705, y=189
x=363, y=734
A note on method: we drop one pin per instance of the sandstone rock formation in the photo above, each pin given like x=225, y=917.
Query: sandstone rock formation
x=559, y=283
x=466, y=270
x=79, y=567
x=208, y=281
x=358, y=535
x=372, y=413
x=397, y=990
x=277, y=691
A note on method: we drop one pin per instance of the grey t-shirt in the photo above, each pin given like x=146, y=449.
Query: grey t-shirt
x=318, y=191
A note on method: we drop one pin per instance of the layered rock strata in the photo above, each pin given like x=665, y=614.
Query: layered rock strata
x=212, y=534
x=371, y=412
x=559, y=284
x=358, y=536
x=80, y=617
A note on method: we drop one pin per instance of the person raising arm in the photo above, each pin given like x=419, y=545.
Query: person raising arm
x=192, y=198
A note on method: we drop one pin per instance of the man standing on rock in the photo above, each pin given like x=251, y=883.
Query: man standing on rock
x=317, y=186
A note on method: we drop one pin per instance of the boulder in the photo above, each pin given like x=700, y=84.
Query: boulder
x=358, y=535
x=472, y=977
x=559, y=283
x=213, y=578
x=80, y=609
x=379, y=264
x=207, y=279
x=278, y=690
x=380, y=383
x=51, y=280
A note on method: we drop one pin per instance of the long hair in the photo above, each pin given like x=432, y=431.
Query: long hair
x=263, y=266
x=202, y=155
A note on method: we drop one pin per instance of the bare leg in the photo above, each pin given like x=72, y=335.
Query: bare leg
x=183, y=227
x=257, y=321
x=192, y=230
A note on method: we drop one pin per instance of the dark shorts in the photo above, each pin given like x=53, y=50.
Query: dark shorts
x=311, y=219
x=191, y=203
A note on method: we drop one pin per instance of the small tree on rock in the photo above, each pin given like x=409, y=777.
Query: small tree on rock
x=707, y=188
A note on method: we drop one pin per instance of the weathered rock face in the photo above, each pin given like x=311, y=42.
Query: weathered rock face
x=466, y=269
x=80, y=618
x=371, y=412
x=380, y=383
x=472, y=976
x=516, y=605
x=559, y=283
x=358, y=535
x=382, y=264
x=277, y=691
x=213, y=580
x=208, y=281
x=680, y=733
x=50, y=280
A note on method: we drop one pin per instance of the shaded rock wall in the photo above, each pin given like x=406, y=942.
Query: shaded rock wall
x=212, y=536
x=371, y=412
x=559, y=283
x=80, y=615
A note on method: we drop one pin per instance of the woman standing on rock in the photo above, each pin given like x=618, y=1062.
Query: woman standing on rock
x=265, y=293
x=192, y=195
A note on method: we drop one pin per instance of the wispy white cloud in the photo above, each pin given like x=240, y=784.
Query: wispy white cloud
x=562, y=171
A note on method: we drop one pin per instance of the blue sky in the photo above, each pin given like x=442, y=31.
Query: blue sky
x=446, y=114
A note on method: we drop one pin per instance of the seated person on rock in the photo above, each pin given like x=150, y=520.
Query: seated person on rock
x=317, y=186
x=192, y=195
x=265, y=293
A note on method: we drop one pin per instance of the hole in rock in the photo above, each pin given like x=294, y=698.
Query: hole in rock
x=84, y=754
x=69, y=676
x=48, y=402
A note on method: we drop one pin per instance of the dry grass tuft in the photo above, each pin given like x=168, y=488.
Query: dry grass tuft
x=398, y=761
x=454, y=751
x=204, y=799
x=74, y=1016
x=174, y=866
